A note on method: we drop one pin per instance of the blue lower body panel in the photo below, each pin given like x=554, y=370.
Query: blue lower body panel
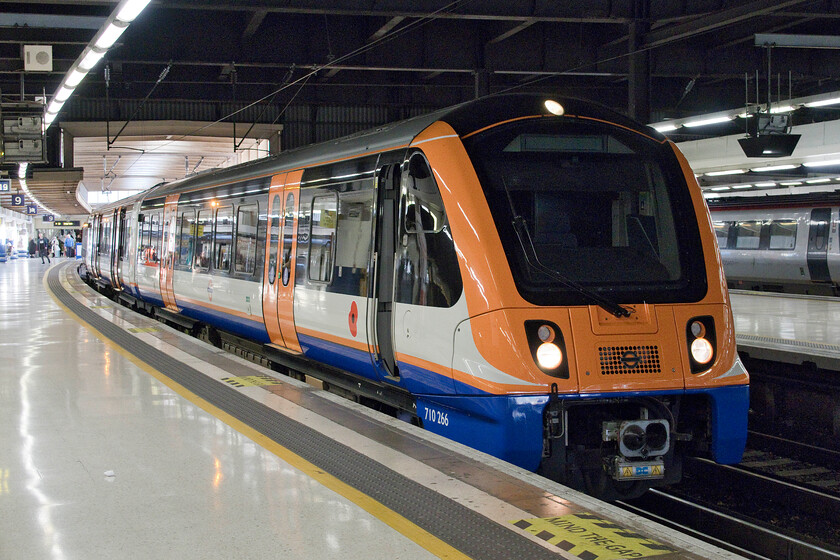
x=507, y=427
x=254, y=330
x=729, y=408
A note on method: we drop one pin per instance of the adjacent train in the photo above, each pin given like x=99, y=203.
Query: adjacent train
x=535, y=278
x=784, y=243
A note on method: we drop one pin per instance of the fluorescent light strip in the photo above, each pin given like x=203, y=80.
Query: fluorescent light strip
x=704, y=122
x=818, y=181
x=22, y=180
x=668, y=127
x=725, y=172
x=791, y=183
x=720, y=189
x=822, y=163
x=767, y=184
x=131, y=10
x=823, y=102
x=773, y=168
x=742, y=186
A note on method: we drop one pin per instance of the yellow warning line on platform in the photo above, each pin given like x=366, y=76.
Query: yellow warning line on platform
x=388, y=516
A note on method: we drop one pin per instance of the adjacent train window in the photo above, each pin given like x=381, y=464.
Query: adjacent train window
x=186, y=232
x=783, y=234
x=749, y=234
x=203, y=239
x=222, y=239
x=722, y=233
x=322, y=237
x=426, y=265
x=246, y=239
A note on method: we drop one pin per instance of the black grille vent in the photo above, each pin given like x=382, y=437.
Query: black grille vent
x=629, y=359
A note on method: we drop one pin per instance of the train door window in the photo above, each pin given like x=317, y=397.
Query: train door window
x=246, y=239
x=275, y=239
x=154, y=238
x=222, y=240
x=123, y=250
x=105, y=243
x=427, y=270
x=783, y=235
x=145, y=225
x=722, y=233
x=203, y=239
x=288, y=233
x=186, y=235
x=818, y=234
x=749, y=234
x=322, y=237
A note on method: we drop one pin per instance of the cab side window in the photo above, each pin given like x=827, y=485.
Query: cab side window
x=427, y=270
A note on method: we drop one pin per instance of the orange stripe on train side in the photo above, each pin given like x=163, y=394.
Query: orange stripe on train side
x=225, y=310
x=334, y=339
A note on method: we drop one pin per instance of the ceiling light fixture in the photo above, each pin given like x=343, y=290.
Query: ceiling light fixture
x=125, y=12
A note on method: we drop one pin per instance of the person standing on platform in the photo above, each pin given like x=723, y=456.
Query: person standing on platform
x=54, y=247
x=69, y=246
x=32, y=248
x=43, y=248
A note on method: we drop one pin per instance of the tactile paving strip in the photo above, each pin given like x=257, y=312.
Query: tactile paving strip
x=460, y=527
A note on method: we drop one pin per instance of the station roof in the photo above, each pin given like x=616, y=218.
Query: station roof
x=277, y=64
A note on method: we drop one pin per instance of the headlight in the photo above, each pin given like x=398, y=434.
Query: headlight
x=702, y=342
x=548, y=348
x=701, y=351
x=549, y=355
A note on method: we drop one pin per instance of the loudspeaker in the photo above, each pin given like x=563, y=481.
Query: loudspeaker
x=37, y=58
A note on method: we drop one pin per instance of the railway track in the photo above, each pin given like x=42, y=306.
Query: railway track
x=726, y=530
x=769, y=506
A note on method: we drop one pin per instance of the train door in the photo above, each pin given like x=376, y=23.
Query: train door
x=93, y=254
x=281, y=250
x=117, y=252
x=380, y=316
x=818, y=244
x=167, y=264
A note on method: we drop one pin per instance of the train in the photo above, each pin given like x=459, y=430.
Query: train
x=533, y=276
x=785, y=243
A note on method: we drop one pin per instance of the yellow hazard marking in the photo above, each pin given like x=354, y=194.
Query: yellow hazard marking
x=252, y=380
x=143, y=329
x=590, y=537
x=627, y=471
x=656, y=470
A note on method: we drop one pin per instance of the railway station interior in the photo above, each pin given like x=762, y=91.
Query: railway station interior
x=378, y=352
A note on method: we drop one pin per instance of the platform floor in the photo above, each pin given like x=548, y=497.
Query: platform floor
x=788, y=328
x=104, y=456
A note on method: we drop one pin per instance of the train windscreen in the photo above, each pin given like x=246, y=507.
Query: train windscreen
x=600, y=206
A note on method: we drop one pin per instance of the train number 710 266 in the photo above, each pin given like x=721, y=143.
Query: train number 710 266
x=436, y=417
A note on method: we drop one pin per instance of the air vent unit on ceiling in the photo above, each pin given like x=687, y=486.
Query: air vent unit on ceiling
x=37, y=58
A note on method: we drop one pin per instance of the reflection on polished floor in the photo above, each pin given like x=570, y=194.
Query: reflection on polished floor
x=98, y=459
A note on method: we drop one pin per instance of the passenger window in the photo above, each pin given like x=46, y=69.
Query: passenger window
x=427, y=270
x=154, y=239
x=246, y=239
x=783, y=234
x=185, y=238
x=322, y=238
x=204, y=239
x=749, y=235
x=222, y=238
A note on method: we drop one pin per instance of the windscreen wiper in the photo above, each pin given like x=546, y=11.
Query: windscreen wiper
x=520, y=226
